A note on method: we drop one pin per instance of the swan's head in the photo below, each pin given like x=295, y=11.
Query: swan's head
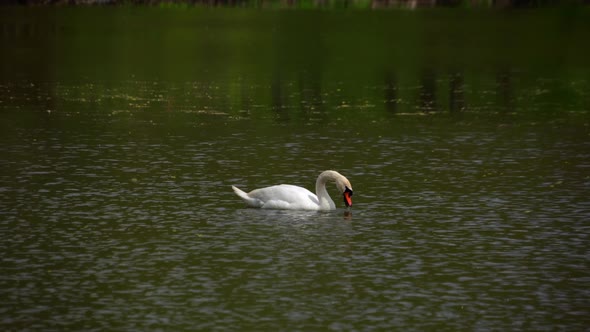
x=346, y=189
x=342, y=184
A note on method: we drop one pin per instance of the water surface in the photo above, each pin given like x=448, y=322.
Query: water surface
x=471, y=177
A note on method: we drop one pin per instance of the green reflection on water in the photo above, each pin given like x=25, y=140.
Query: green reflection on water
x=338, y=63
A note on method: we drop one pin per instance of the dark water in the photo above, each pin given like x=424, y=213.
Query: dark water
x=120, y=140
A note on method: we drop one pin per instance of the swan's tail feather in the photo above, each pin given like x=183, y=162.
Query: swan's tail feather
x=249, y=200
x=240, y=193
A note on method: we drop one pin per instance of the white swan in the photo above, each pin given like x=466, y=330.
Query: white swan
x=289, y=197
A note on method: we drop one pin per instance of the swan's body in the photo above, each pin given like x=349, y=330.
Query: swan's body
x=289, y=197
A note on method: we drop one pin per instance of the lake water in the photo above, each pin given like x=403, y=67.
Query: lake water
x=466, y=136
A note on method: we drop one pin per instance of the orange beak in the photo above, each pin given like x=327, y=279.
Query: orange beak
x=348, y=197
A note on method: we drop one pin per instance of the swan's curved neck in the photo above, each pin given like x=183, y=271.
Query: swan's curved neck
x=326, y=202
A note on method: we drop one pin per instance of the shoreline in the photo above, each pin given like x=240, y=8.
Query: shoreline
x=311, y=4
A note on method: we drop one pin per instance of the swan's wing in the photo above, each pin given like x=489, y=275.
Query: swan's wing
x=285, y=196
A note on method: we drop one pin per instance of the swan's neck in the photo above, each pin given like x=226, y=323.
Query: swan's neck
x=326, y=202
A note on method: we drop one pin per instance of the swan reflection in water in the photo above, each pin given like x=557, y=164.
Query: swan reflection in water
x=347, y=215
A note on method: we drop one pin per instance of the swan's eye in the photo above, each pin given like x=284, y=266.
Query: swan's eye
x=348, y=190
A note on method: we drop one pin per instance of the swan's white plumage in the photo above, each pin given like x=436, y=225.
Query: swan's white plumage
x=290, y=197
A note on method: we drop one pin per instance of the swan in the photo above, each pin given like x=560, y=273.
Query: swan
x=290, y=197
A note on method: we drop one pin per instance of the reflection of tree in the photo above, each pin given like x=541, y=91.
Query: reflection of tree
x=245, y=99
x=427, y=97
x=278, y=101
x=310, y=92
x=456, y=92
x=504, y=90
x=390, y=92
x=297, y=78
